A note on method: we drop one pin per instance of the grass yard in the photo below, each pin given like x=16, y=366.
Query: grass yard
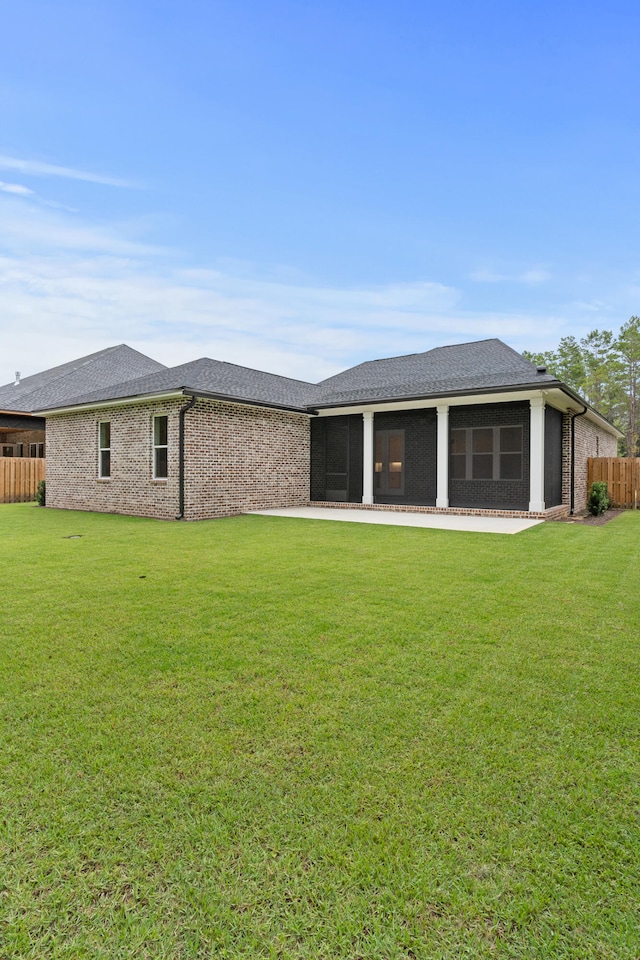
x=267, y=738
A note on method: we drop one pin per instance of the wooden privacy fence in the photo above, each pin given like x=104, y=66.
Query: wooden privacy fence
x=19, y=477
x=622, y=476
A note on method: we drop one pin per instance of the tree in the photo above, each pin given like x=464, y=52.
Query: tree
x=628, y=348
x=566, y=363
x=602, y=368
x=569, y=364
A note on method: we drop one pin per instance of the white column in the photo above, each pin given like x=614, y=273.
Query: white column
x=442, y=461
x=536, y=456
x=367, y=458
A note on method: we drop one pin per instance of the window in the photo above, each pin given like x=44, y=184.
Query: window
x=7, y=450
x=389, y=462
x=160, y=448
x=104, y=449
x=33, y=449
x=41, y=449
x=486, y=453
x=19, y=449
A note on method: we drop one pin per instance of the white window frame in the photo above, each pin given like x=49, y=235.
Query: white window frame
x=159, y=446
x=102, y=450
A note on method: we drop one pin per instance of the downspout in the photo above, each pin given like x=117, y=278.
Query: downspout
x=183, y=411
x=573, y=457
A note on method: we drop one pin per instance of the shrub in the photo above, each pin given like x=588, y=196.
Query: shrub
x=41, y=493
x=598, y=500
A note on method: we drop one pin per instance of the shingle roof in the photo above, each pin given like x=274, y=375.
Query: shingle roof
x=213, y=377
x=483, y=365
x=464, y=367
x=58, y=385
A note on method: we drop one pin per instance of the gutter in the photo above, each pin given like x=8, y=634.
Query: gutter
x=574, y=417
x=476, y=391
x=169, y=395
x=183, y=411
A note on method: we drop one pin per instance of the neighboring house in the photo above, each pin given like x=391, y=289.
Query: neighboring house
x=21, y=433
x=467, y=428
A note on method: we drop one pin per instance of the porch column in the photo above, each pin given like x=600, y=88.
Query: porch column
x=536, y=455
x=442, y=457
x=367, y=458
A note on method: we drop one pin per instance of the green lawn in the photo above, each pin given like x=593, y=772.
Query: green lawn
x=265, y=738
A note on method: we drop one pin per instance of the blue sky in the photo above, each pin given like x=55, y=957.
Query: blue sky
x=301, y=186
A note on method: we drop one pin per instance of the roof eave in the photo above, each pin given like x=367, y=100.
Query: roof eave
x=167, y=395
x=227, y=398
x=112, y=402
x=513, y=388
x=478, y=391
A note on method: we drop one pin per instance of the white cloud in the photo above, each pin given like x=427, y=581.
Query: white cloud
x=67, y=306
x=27, y=227
x=15, y=188
x=69, y=287
x=37, y=169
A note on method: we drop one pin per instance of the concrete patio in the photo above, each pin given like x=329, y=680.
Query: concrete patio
x=402, y=519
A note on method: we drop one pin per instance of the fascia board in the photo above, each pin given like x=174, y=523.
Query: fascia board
x=557, y=395
x=451, y=400
x=101, y=404
x=171, y=395
x=225, y=398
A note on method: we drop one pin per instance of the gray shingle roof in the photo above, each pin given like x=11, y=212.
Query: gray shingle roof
x=483, y=365
x=213, y=377
x=464, y=367
x=58, y=385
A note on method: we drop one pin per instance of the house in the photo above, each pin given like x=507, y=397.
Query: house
x=21, y=433
x=467, y=428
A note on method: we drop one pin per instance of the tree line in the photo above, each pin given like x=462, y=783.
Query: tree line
x=604, y=368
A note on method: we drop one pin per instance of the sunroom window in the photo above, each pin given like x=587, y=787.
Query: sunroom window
x=486, y=453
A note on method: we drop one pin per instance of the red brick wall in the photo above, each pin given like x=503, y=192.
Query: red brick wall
x=237, y=458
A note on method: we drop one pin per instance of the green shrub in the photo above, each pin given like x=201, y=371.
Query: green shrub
x=598, y=500
x=41, y=493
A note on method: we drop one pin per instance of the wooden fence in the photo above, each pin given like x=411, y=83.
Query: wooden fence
x=622, y=476
x=19, y=477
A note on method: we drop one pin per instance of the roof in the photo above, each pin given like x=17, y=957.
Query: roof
x=461, y=368
x=213, y=378
x=59, y=385
x=483, y=366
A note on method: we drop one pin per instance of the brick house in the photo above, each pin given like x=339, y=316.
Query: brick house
x=466, y=428
x=22, y=434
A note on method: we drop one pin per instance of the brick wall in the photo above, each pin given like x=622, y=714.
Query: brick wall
x=72, y=461
x=590, y=441
x=25, y=437
x=236, y=458
x=244, y=458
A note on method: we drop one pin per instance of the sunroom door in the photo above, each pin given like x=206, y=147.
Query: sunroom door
x=389, y=463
